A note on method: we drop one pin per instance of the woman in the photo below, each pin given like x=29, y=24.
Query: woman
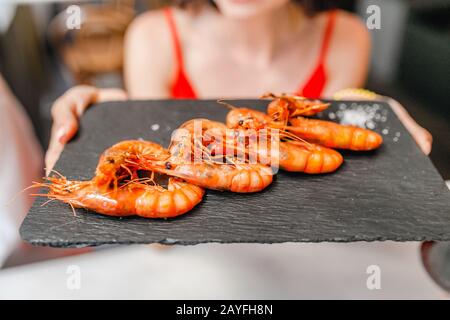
x=241, y=49
x=233, y=49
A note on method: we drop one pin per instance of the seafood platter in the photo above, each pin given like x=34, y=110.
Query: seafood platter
x=279, y=169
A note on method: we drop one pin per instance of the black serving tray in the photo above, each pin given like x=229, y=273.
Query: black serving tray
x=393, y=193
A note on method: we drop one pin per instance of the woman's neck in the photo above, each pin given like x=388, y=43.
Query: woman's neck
x=259, y=39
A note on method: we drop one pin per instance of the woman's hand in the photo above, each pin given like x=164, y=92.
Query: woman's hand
x=422, y=136
x=66, y=112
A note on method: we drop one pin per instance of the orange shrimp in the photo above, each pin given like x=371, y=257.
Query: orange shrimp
x=117, y=190
x=134, y=198
x=192, y=161
x=117, y=159
x=289, y=155
x=190, y=139
x=308, y=158
x=289, y=109
x=244, y=118
x=285, y=106
x=334, y=135
x=294, y=154
x=241, y=178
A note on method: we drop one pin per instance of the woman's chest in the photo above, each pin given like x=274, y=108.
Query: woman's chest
x=213, y=74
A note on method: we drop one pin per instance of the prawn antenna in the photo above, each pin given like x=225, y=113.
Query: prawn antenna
x=226, y=104
x=57, y=173
x=268, y=95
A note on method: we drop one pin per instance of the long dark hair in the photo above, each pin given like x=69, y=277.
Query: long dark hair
x=311, y=7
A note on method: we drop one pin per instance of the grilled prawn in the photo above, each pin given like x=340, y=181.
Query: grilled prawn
x=294, y=154
x=192, y=161
x=290, y=111
x=118, y=190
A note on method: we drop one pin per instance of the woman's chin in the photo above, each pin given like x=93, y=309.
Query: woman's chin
x=244, y=9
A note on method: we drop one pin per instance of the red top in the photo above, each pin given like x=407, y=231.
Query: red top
x=182, y=88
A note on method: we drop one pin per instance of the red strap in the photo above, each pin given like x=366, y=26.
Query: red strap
x=175, y=37
x=314, y=86
x=327, y=35
x=181, y=87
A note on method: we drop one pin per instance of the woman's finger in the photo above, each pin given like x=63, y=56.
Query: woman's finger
x=65, y=121
x=78, y=98
x=52, y=155
x=422, y=137
x=68, y=108
x=424, y=140
x=111, y=95
x=66, y=112
x=64, y=127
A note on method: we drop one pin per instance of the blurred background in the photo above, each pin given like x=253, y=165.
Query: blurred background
x=40, y=58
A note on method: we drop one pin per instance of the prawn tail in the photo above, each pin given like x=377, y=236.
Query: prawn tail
x=323, y=160
x=353, y=138
x=310, y=159
x=249, y=180
x=179, y=198
x=371, y=141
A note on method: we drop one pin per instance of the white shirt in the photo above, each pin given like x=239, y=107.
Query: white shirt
x=20, y=164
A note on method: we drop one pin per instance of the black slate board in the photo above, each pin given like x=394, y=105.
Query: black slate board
x=394, y=193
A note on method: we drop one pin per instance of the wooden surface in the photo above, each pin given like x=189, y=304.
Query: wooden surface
x=393, y=193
